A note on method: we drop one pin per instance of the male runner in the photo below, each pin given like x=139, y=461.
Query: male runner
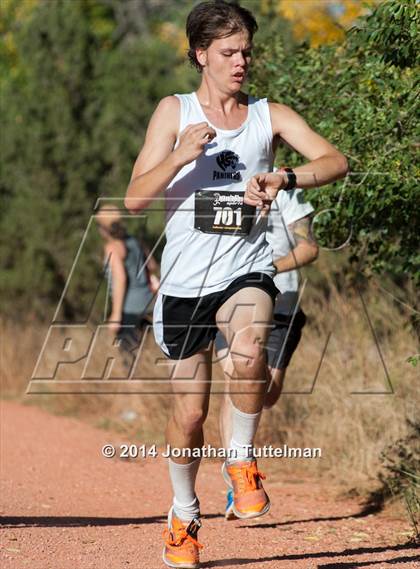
x=211, y=151
x=289, y=234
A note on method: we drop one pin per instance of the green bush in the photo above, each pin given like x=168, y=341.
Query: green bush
x=361, y=96
x=76, y=114
x=79, y=90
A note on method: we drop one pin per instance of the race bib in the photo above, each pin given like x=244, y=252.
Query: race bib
x=222, y=212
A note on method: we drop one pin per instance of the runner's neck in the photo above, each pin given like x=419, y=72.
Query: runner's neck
x=227, y=114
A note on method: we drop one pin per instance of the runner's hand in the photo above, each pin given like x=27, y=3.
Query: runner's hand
x=114, y=323
x=192, y=141
x=262, y=189
x=154, y=283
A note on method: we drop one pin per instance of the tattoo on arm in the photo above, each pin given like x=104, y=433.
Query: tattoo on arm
x=301, y=230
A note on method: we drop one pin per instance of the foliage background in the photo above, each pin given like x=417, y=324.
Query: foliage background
x=80, y=79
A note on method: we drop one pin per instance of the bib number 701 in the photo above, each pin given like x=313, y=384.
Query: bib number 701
x=224, y=216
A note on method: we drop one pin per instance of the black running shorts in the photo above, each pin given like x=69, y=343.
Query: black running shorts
x=184, y=326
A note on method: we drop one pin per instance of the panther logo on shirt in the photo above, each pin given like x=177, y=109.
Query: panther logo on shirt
x=227, y=159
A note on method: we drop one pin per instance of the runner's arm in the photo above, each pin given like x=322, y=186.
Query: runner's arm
x=158, y=163
x=326, y=163
x=155, y=166
x=152, y=264
x=119, y=280
x=305, y=250
x=152, y=269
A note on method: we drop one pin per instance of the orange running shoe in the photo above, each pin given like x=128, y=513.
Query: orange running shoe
x=181, y=545
x=249, y=497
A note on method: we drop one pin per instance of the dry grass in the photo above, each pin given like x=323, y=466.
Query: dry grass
x=351, y=429
x=364, y=391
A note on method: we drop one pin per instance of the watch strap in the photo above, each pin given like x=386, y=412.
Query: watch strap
x=291, y=179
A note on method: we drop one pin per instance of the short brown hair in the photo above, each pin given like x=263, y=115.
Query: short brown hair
x=214, y=20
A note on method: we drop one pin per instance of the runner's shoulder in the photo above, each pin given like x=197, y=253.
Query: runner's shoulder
x=168, y=104
x=167, y=113
x=284, y=117
x=282, y=110
x=116, y=248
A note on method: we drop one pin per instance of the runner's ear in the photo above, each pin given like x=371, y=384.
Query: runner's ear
x=201, y=55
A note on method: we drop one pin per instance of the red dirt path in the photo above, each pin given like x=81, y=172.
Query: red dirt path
x=64, y=506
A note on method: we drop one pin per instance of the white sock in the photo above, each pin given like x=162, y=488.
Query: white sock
x=244, y=427
x=186, y=504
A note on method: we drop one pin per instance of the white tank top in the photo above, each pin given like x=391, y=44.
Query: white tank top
x=196, y=263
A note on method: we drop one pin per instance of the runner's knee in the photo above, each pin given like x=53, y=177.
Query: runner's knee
x=272, y=397
x=248, y=357
x=190, y=420
x=274, y=388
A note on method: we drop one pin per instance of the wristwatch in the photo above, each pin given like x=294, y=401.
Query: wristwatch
x=291, y=179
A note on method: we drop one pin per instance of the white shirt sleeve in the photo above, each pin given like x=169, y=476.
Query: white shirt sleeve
x=293, y=206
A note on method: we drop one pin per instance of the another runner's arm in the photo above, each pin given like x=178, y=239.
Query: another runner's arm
x=151, y=263
x=119, y=280
x=326, y=163
x=305, y=250
x=152, y=269
x=158, y=163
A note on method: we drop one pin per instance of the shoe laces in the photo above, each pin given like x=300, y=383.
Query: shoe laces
x=181, y=535
x=247, y=476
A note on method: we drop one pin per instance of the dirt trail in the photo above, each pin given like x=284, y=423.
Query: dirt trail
x=64, y=506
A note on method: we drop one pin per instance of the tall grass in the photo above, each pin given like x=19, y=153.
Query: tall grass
x=356, y=344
